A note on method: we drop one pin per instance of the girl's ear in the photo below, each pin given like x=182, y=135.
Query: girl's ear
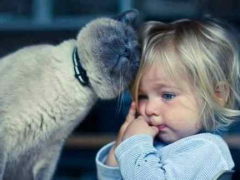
x=222, y=92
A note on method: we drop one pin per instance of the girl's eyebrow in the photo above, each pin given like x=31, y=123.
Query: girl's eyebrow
x=166, y=85
x=160, y=85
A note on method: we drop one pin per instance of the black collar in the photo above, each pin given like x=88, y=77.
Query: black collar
x=80, y=73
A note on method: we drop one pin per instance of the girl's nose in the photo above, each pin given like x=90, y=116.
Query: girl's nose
x=153, y=108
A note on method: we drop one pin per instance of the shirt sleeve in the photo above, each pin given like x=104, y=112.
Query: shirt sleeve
x=191, y=159
x=105, y=172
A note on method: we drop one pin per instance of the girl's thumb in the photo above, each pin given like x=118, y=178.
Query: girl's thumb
x=154, y=131
x=131, y=114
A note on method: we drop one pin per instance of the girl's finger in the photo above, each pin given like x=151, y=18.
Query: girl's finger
x=154, y=131
x=131, y=114
x=129, y=119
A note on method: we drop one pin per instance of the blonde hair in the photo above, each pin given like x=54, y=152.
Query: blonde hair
x=207, y=53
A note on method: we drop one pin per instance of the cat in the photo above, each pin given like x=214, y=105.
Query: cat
x=47, y=90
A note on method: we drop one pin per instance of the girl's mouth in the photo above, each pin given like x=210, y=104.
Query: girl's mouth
x=161, y=127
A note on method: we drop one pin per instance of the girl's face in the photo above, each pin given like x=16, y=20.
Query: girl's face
x=175, y=111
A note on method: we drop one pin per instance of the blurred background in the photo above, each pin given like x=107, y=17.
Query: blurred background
x=29, y=22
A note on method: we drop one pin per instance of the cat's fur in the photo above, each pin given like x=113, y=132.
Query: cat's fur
x=41, y=101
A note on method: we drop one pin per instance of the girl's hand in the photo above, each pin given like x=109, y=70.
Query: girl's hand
x=139, y=126
x=129, y=119
x=111, y=161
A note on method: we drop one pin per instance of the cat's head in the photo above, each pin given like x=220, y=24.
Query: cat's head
x=109, y=51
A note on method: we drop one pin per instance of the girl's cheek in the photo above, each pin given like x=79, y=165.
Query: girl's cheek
x=140, y=110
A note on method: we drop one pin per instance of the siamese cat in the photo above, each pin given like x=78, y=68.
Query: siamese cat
x=46, y=91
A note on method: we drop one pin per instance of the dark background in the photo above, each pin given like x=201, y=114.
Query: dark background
x=29, y=22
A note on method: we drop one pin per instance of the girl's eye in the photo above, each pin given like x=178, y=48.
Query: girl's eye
x=168, y=96
x=142, y=97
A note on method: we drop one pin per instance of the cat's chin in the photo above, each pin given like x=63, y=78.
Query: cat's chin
x=108, y=94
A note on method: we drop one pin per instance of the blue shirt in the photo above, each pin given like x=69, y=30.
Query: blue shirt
x=198, y=157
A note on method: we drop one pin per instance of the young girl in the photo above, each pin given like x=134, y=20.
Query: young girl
x=185, y=93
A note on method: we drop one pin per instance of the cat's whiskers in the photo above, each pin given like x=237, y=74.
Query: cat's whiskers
x=120, y=96
x=119, y=104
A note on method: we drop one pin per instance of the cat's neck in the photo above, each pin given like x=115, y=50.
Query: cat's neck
x=69, y=82
x=72, y=101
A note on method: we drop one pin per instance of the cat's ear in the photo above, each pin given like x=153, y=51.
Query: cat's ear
x=128, y=17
